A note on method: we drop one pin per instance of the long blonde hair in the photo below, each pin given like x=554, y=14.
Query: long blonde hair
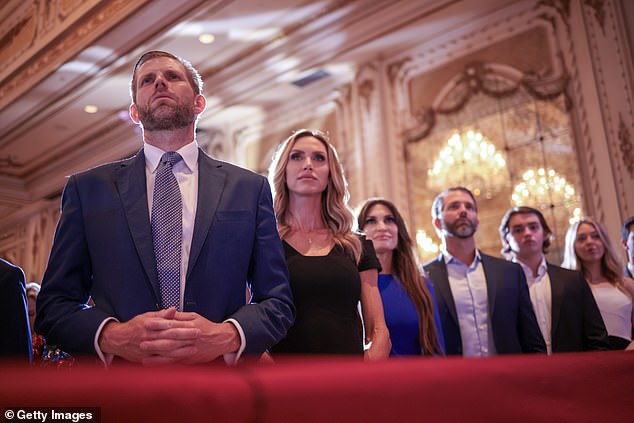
x=335, y=212
x=611, y=264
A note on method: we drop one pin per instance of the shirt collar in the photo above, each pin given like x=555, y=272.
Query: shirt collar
x=449, y=258
x=541, y=269
x=188, y=152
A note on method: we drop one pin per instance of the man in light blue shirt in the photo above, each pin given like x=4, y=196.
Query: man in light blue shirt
x=484, y=302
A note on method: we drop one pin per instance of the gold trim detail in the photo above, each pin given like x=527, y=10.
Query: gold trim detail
x=626, y=147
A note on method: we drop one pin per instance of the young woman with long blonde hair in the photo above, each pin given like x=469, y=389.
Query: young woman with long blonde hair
x=589, y=249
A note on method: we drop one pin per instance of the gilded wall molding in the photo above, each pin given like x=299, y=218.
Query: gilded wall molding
x=615, y=94
x=626, y=147
x=479, y=77
x=26, y=238
x=593, y=194
x=394, y=69
x=561, y=7
x=599, y=11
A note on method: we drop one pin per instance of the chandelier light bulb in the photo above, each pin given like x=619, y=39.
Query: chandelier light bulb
x=471, y=160
x=543, y=187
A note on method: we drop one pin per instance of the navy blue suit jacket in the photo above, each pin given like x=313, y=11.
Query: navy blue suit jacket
x=15, y=334
x=103, y=249
x=513, y=323
x=576, y=322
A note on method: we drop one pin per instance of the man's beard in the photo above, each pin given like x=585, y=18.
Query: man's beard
x=180, y=116
x=462, y=230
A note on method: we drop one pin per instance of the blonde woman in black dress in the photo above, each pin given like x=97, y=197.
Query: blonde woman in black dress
x=331, y=268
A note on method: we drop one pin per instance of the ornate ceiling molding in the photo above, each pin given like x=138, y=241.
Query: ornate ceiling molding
x=45, y=34
x=9, y=162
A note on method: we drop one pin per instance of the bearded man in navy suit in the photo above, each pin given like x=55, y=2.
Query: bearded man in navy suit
x=104, y=245
x=483, y=301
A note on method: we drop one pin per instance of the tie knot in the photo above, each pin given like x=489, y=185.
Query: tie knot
x=171, y=157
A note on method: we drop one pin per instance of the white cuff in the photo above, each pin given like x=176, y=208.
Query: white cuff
x=232, y=358
x=106, y=359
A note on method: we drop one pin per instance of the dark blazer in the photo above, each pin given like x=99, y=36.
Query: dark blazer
x=513, y=323
x=576, y=323
x=15, y=334
x=103, y=249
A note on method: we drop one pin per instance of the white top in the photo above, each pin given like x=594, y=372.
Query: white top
x=469, y=289
x=541, y=297
x=616, y=310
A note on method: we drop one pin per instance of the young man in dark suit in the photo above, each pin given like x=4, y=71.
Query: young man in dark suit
x=566, y=311
x=165, y=243
x=483, y=301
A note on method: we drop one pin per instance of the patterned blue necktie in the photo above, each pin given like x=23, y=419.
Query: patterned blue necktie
x=167, y=229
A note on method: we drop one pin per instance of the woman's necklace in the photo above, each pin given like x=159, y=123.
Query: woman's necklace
x=310, y=234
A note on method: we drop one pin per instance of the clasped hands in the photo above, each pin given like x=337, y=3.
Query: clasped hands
x=168, y=337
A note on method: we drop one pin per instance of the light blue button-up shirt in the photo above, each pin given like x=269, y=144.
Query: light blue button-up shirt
x=469, y=289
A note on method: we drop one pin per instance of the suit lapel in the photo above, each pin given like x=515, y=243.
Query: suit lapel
x=211, y=183
x=492, y=277
x=557, y=290
x=438, y=274
x=133, y=191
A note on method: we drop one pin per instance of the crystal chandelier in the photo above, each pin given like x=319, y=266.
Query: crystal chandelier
x=543, y=187
x=469, y=160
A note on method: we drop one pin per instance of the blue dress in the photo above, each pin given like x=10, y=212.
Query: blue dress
x=401, y=317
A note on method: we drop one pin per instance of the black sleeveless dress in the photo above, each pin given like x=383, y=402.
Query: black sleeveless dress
x=326, y=291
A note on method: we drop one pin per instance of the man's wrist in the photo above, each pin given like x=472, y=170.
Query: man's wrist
x=105, y=341
x=232, y=342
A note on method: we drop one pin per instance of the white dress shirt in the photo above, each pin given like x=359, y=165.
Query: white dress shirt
x=541, y=297
x=469, y=290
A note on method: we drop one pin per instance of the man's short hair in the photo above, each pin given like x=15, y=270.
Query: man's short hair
x=504, y=227
x=437, y=205
x=625, y=231
x=194, y=78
